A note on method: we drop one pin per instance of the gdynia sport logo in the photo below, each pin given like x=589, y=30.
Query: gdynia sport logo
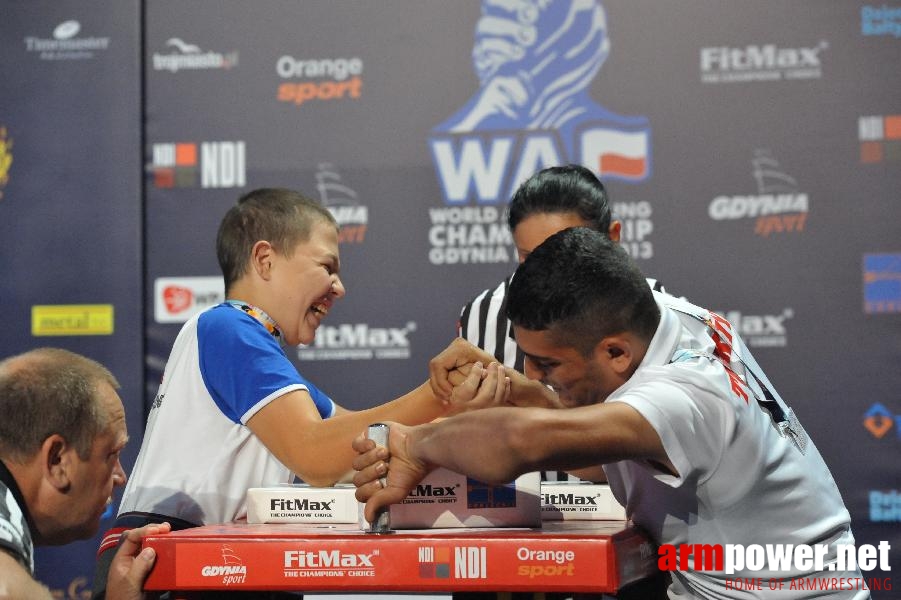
x=783, y=566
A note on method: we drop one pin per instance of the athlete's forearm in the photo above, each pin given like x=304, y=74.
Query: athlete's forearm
x=491, y=445
x=321, y=451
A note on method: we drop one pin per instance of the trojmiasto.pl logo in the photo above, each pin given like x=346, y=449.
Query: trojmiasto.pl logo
x=182, y=56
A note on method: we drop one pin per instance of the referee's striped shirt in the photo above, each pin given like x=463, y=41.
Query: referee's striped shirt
x=483, y=322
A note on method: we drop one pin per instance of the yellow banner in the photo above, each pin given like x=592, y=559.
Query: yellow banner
x=72, y=319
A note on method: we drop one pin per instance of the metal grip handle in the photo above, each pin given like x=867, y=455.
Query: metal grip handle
x=378, y=432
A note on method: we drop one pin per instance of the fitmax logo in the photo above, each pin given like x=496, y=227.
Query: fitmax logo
x=302, y=559
x=760, y=57
x=361, y=335
x=437, y=491
x=300, y=504
x=573, y=499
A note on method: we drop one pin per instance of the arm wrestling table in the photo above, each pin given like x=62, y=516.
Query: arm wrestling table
x=563, y=556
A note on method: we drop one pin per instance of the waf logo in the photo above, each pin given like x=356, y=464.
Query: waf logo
x=231, y=570
x=882, y=283
x=203, y=164
x=535, y=62
x=880, y=138
x=6, y=158
x=777, y=207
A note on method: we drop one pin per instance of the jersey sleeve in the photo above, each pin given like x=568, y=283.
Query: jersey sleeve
x=694, y=424
x=244, y=368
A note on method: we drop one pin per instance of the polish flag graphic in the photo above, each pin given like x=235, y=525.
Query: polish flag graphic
x=616, y=154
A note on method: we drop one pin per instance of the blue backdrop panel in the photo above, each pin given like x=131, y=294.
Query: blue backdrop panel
x=70, y=212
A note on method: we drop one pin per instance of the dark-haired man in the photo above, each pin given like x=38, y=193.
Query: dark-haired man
x=695, y=442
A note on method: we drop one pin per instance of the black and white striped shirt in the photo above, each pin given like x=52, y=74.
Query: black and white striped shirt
x=483, y=323
x=15, y=537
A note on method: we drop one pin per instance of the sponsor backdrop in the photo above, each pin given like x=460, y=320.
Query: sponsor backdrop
x=752, y=151
x=70, y=206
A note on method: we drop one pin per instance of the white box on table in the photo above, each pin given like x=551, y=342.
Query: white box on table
x=579, y=501
x=445, y=499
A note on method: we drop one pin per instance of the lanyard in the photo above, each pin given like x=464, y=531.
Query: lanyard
x=259, y=314
x=783, y=417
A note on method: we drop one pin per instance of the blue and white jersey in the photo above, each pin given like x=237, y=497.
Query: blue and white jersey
x=198, y=458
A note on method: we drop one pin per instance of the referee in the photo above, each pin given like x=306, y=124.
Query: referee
x=551, y=200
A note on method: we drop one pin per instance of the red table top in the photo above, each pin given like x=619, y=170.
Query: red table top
x=565, y=556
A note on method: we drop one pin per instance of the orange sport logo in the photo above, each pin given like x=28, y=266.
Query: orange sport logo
x=319, y=79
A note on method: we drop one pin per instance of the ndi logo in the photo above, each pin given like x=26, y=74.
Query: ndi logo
x=219, y=164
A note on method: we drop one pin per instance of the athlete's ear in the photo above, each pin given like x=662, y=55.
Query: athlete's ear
x=616, y=351
x=57, y=457
x=261, y=259
x=615, y=230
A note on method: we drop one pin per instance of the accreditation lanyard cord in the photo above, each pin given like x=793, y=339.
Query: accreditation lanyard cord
x=783, y=417
x=260, y=315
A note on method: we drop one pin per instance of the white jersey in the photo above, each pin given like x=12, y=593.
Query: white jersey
x=198, y=458
x=739, y=480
